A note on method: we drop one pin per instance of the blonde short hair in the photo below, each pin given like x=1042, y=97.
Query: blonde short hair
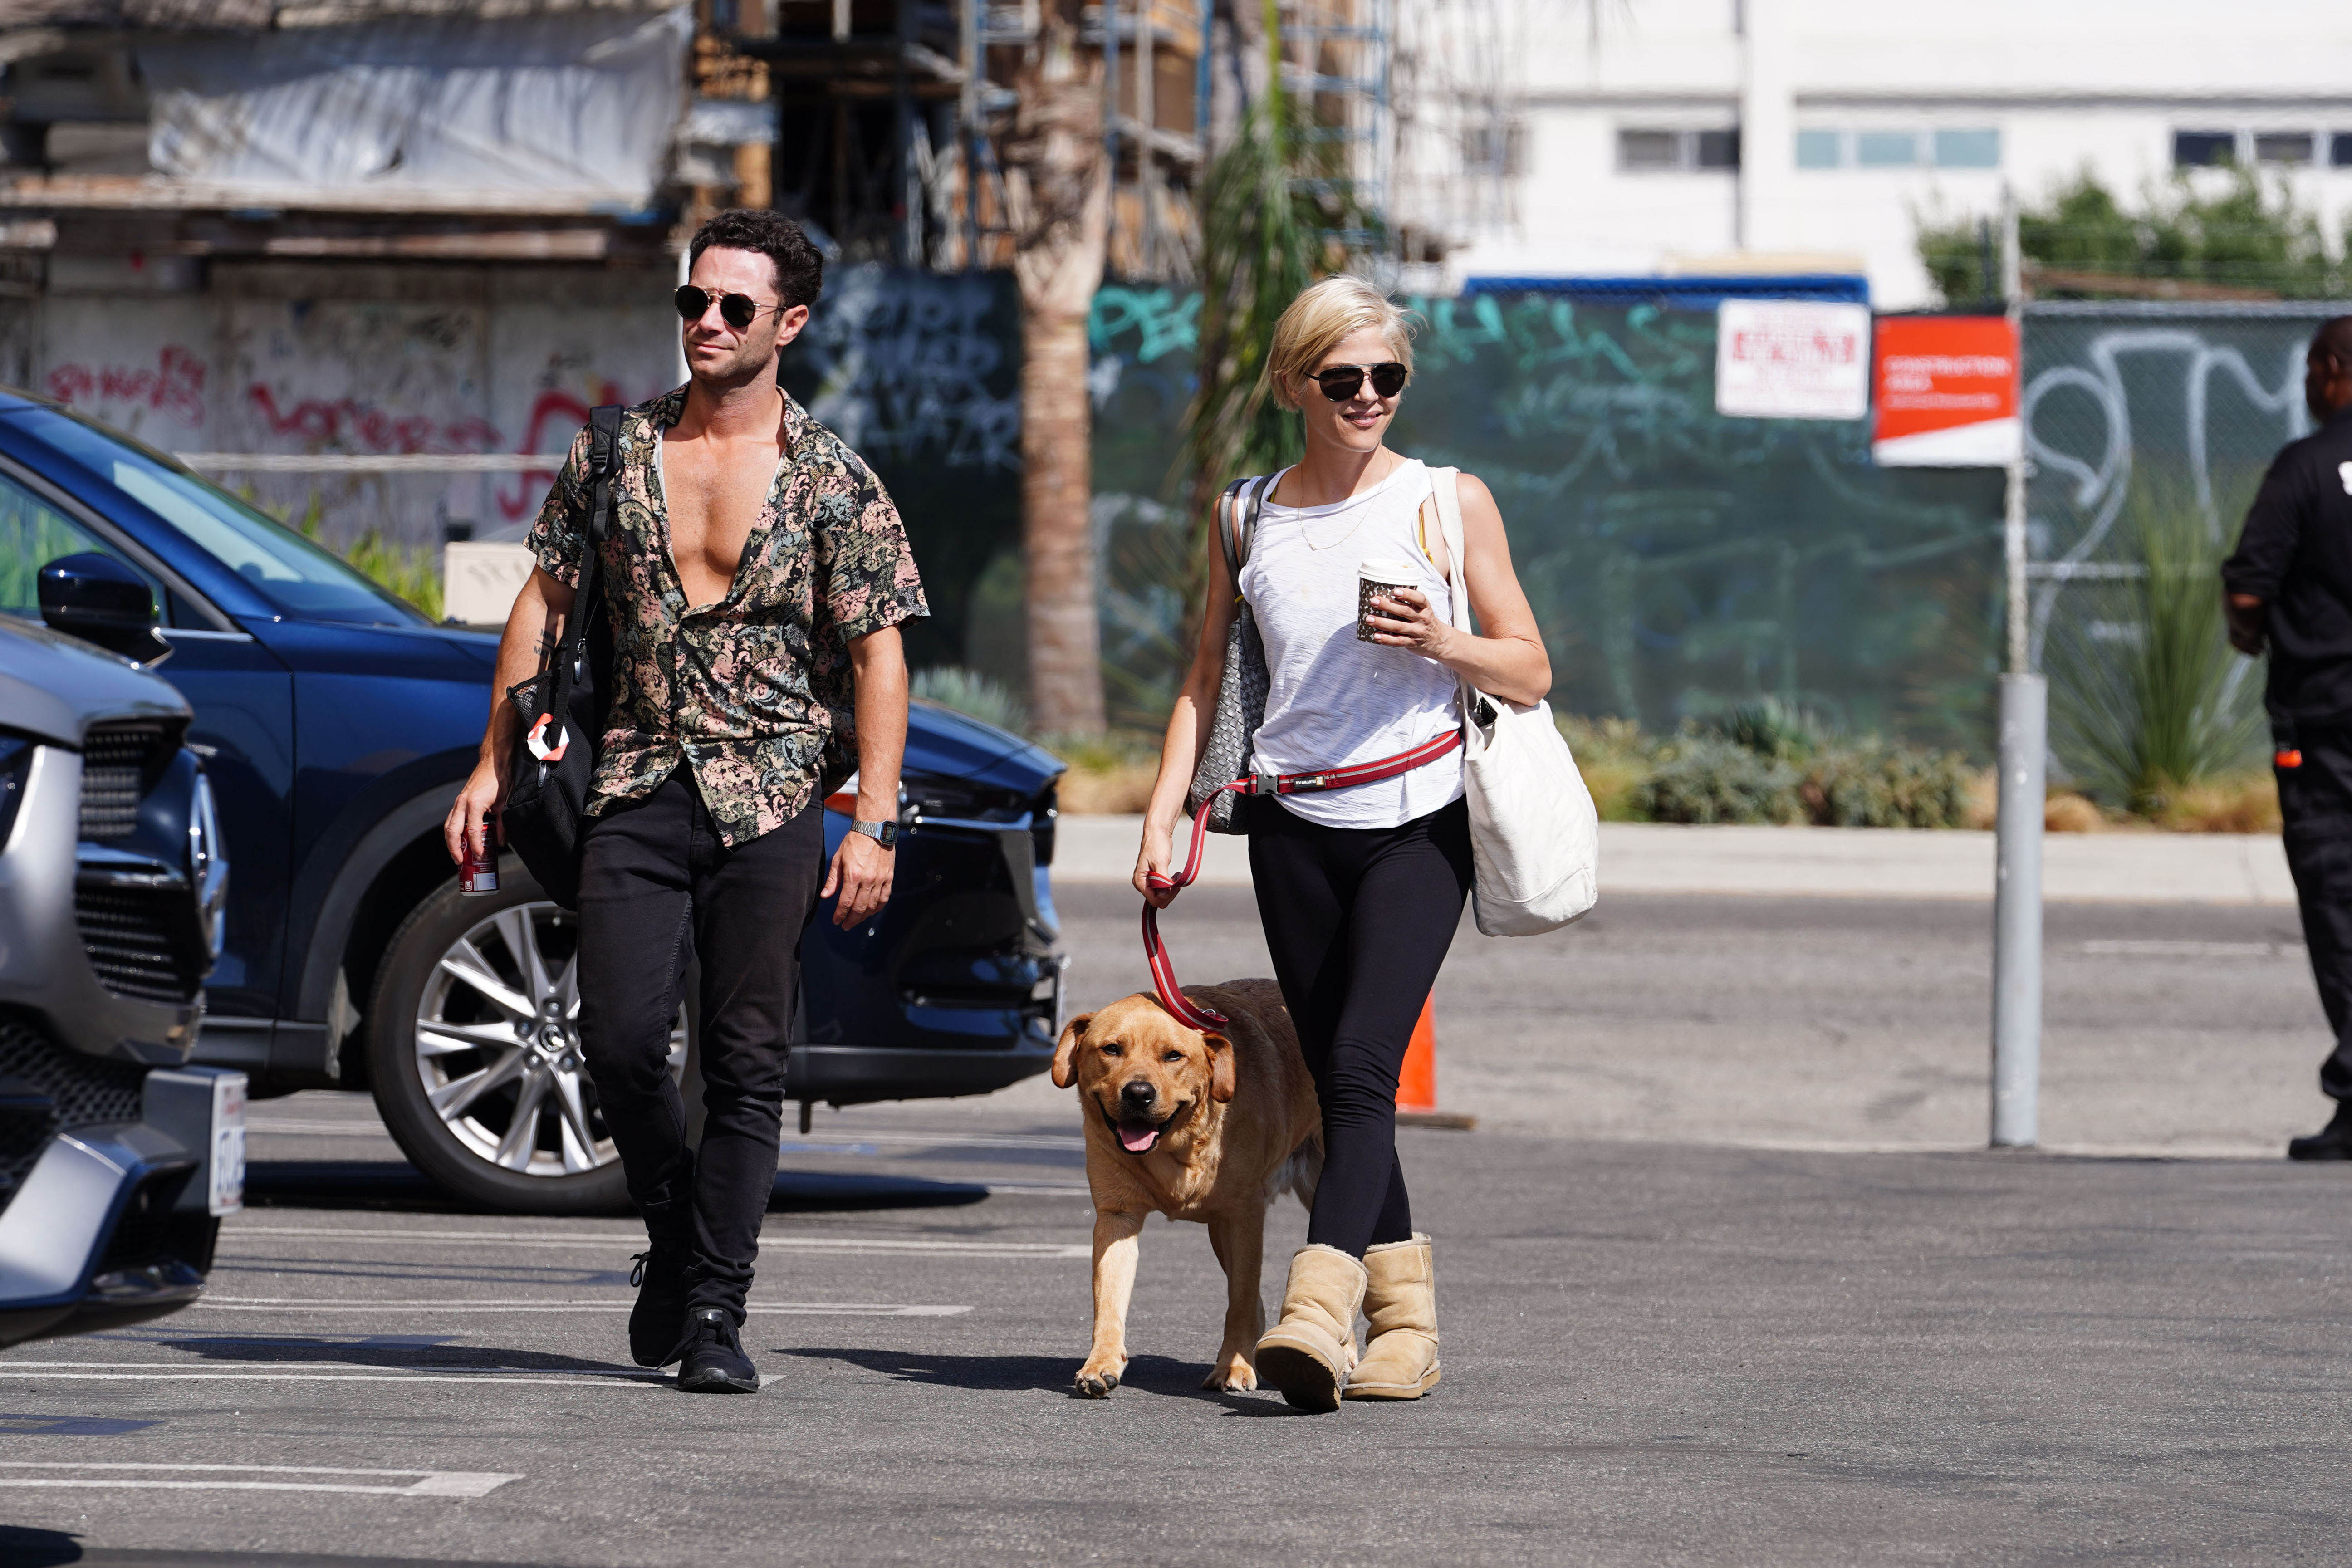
x=1324, y=315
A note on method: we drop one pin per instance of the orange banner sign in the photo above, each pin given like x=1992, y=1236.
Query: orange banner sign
x=1946, y=392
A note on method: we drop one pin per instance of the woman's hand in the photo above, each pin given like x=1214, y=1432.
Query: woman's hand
x=1403, y=619
x=1154, y=858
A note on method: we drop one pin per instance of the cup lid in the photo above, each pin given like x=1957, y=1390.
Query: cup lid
x=1386, y=569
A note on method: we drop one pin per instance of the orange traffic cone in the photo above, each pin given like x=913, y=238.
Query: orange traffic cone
x=1417, y=1079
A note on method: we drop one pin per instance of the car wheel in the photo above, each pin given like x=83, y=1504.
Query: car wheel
x=474, y=1047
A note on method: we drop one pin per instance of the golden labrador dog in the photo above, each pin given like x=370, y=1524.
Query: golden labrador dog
x=1207, y=1127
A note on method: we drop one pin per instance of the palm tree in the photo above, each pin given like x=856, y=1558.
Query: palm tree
x=1058, y=189
x=1271, y=203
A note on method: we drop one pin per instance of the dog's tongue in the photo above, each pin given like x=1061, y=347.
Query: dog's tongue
x=1137, y=1137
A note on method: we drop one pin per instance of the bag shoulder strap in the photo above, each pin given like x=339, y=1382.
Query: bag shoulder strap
x=1446, y=483
x=604, y=464
x=1237, y=519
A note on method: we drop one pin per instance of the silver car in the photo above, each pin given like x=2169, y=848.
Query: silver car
x=117, y=1160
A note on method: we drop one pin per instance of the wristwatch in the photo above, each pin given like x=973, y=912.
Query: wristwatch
x=886, y=834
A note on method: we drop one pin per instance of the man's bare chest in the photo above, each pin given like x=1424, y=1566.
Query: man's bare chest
x=714, y=496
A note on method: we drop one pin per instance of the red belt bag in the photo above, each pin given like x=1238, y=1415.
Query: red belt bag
x=1155, y=952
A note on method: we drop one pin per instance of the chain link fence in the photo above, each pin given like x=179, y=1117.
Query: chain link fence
x=2148, y=428
x=1680, y=563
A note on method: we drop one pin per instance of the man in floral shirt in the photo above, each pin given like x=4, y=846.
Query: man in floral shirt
x=753, y=580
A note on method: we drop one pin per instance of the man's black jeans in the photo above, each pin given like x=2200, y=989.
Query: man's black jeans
x=654, y=874
x=2315, y=805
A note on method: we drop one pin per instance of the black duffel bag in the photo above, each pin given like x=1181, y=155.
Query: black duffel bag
x=560, y=712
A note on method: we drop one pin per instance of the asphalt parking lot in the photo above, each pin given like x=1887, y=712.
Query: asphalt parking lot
x=1653, y=1354
x=1659, y=1348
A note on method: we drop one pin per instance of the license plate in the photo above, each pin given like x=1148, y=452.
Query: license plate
x=226, y=1188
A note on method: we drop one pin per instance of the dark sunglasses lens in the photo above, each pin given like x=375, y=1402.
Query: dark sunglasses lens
x=1388, y=380
x=738, y=310
x=1340, y=385
x=691, y=302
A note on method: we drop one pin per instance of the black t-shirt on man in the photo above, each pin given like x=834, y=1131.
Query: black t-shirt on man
x=2295, y=555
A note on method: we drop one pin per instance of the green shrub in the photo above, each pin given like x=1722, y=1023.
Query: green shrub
x=1705, y=778
x=1874, y=783
x=1615, y=757
x=971, y=694
x=1771, y=728
x=413, y=572
x=2148, y=699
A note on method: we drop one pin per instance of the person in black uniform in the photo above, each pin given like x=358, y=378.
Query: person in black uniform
x=2288, y=589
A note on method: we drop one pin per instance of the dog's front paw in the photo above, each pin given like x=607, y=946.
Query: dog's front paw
x=1233, y=1370
x=1097, y=1380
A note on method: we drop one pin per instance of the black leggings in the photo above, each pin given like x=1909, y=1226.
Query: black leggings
x=1358, y=919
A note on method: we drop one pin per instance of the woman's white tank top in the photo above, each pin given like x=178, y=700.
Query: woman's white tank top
x=1333, y=699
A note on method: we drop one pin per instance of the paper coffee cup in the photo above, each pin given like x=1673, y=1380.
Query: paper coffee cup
x=1379, y=578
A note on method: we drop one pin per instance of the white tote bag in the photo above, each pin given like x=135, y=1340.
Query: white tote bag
x=1534, y=834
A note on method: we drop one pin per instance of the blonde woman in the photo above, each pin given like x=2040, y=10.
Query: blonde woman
x=1359, y=889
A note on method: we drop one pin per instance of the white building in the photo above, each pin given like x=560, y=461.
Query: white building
x=1724, y=136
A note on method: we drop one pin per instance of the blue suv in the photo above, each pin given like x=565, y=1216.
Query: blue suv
x=336, y=722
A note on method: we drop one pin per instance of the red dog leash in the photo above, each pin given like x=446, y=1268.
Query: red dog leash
x=1155, y=952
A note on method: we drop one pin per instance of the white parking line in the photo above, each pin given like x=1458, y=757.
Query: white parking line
x=781, y=1308
x=180, y=1373
x=2139, y=949
x=922, y=1246
x=428, y=1483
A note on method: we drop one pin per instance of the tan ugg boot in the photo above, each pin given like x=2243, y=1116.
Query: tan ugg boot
x=1401, y=1314
x=1308, y=1354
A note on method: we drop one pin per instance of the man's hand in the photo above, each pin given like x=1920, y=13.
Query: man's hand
x=483, y=797
x=2249, y=622
x=861, y=872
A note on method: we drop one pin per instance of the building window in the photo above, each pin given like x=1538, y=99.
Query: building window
x=2203, y=149
x=1656, y=151
x=1968, y=149
x=1885, y=149
x=1647, y=151
x=2339, y=149
x=2290, y=147
x=1715, y=149
x=1821, y=149
x=1494, y=148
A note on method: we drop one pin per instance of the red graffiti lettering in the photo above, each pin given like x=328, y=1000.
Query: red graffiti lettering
x=348, y=423
x=175, y=386
x=568, y=412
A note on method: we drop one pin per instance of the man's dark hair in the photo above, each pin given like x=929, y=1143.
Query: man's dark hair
x=800, y=268
x=2335, y=337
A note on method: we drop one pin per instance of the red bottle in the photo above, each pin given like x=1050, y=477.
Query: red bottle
x=479, y=872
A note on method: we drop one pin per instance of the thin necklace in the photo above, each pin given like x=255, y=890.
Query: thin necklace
x=1349, y=505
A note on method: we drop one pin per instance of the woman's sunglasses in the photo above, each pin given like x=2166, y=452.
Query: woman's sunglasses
x=1339, y=381
x=738, y=310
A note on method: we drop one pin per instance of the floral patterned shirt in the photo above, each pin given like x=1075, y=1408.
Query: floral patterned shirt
x=752, y=692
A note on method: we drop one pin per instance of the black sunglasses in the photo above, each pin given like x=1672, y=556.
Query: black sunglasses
x=1340, y=380
x=738, y=310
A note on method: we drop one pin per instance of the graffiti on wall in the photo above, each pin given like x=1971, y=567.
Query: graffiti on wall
x=897, y=363
x=2183, y=404
x=173, y=386
x=1679, y=562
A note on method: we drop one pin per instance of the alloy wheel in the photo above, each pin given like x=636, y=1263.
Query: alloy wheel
x=498, y=1045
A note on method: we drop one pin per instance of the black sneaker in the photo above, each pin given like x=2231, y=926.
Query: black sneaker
x=2333, y=1141
x=714, y=1362
x=657, y=1322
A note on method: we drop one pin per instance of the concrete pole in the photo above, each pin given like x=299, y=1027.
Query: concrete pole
x=2024, y=757
x=1768, y=125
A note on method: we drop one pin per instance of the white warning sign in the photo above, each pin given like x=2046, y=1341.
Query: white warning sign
x=1792, y=359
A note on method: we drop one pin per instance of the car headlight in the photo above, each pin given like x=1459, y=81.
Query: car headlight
x=16, y=767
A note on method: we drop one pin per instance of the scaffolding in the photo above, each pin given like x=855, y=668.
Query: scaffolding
x=891, y=117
